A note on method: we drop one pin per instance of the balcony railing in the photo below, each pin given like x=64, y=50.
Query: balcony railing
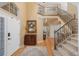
x=47, y=11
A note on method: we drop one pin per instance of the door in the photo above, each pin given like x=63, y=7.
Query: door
x=13, y=41
x=16, y=34
x=2, y=35
x=3, y=31
x=10, y=35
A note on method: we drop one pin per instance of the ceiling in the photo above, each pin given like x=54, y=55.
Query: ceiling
x=46, y=4
x=49, y=4
x=52, y=21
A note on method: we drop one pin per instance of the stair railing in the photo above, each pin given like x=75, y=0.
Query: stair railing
x=65, y=30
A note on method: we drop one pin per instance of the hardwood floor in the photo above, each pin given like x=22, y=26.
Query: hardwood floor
x=49, y=44
x=19, y=51
x=42, y=43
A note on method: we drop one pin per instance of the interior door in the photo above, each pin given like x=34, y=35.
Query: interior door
x=16, y=34
x=10, y=35
x=13, y=41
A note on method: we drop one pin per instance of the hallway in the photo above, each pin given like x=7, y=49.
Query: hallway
x=38, y=29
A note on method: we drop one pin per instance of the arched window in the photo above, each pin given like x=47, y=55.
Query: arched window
x=11, y=7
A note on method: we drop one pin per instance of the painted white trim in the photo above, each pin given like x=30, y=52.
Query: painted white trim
x=6, y=15
x=6, y=37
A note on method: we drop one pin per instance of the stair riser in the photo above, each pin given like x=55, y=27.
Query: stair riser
x=74, y=26
x=75, y=48
x=75, y=40
x=62, y=53
x=74, y=35
x=71, y=53
x=67, y=50
x=74, y=23
x=76, y=31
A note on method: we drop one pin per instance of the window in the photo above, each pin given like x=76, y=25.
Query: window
x=11, y=7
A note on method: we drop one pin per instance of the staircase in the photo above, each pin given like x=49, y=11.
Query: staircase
x=67, y=46
x=74, y=26
x=66, y=36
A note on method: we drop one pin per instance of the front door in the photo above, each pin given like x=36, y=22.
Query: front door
x=13, y=41
x=10, y=35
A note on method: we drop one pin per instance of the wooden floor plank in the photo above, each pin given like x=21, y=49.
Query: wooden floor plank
x=49, y=43
x=19, y=51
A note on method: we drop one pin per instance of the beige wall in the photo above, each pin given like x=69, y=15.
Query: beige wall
x=32, y=8
x=23, y=18
x=32, y=15
x=28, y=11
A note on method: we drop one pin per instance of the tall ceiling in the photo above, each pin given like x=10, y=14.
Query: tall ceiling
x=49, y=4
